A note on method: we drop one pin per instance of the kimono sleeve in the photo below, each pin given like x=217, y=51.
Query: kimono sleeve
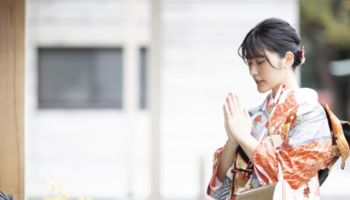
x=306, y=149
x=216, y=189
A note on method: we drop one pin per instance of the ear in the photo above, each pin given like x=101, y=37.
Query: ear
x=288, y=60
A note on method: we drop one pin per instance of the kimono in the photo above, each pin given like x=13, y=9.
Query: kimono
x=302, y=124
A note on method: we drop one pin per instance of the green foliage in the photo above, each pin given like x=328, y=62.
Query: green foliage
x=308, y=72
x=327, y=20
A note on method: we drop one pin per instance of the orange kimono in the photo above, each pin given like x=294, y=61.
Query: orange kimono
x=302, y=124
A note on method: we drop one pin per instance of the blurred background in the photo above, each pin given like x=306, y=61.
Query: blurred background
x=88, y=124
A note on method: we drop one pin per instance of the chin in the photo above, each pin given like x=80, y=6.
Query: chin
x=263, y=89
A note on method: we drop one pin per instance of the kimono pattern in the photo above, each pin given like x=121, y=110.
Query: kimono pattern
x=306, y=145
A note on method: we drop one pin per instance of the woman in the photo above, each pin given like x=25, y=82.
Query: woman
x=289, y=127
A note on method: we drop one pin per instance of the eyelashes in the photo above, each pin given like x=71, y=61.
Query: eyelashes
x=259, y=63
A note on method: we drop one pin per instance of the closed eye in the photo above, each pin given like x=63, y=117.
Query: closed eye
x=259, y=63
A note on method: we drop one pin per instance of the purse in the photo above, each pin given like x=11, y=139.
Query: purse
x=279, y=190
x=341, y=139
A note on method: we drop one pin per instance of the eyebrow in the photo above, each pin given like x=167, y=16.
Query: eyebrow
x=255, y=57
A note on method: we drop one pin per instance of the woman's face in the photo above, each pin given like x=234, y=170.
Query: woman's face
x=266, y=76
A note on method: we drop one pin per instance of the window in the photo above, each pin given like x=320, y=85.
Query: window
x=80, y=78
x=143, y=78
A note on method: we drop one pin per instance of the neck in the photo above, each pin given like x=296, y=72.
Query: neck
x=290, y=82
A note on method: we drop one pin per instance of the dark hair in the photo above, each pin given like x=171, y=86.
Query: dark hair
x=273, y=34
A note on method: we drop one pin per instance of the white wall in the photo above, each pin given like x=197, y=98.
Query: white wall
x=201, y=66
x=87, y=149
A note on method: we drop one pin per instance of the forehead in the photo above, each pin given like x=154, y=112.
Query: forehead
x=257, y=57
x=254, y=51
x=266, y=54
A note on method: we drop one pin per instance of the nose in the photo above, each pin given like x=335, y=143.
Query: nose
x=253, y=70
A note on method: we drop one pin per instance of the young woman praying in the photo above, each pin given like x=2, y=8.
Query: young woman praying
x=289, y=127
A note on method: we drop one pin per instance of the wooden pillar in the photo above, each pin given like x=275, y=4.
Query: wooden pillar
x=154, y=90
x=12, y=32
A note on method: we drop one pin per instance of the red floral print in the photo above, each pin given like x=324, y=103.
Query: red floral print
x=258, y=119
x=298, y=173
x=306, y=192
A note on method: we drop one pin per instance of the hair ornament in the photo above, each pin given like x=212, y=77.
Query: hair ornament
x=302, y=56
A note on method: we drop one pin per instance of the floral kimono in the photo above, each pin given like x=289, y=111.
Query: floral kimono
x=306, y=147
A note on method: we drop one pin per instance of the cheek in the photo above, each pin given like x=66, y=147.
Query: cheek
x=267, y=72
x=271, y=76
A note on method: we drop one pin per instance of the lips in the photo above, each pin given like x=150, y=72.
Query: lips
x=258, y=82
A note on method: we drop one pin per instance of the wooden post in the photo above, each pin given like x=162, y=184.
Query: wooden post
x=12, y=32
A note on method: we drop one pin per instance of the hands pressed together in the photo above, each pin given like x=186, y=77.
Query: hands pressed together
x=238, y=128
x=237, y=120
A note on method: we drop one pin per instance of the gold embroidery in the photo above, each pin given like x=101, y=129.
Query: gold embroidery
x=235, y=191
x=286, y=129
x=238, y=181
x=240, y=163
x=237, y=174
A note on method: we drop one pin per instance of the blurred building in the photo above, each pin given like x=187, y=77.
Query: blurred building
x=76, y=129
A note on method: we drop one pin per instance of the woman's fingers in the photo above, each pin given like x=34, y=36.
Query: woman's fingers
x=233, y=97
x=230, y=104
x=227, y=113
x=239, y=105
x=234, y=104
x=224, y=109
